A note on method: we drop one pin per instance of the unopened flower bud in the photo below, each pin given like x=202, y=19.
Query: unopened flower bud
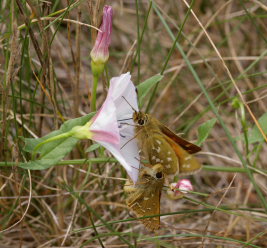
x=100, y=51
x=177, y=190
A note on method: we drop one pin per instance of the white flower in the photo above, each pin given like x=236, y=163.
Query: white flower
x=109, y=127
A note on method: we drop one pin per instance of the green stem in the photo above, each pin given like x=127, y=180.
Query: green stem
x=209, y=168
x=93, y=99
x=138, y=41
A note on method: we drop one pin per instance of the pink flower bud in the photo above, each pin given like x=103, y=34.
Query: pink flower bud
x=184, y=185
x=177, y=190
x=100, y=52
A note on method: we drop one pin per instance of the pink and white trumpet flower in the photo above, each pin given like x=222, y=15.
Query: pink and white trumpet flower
x=113, y=127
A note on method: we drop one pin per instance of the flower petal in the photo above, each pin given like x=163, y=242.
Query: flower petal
x=122, y=87
x=115, y=150
x=104, y=125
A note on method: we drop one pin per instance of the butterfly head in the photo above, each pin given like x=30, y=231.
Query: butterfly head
x=140, y=118
x=154, y=172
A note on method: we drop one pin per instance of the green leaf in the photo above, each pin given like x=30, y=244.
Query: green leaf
x=93, y=147
x=204, y=130
x=145, y=87
x=51, y=158
x=51, y=153
x=254, y=134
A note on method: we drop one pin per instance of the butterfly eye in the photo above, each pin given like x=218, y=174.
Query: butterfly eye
x=159, y=175
x=141, y=122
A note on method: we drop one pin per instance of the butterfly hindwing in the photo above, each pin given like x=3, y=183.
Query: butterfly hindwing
x=188, y=164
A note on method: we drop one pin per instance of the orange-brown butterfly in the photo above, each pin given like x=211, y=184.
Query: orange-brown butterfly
x=144, y=196
x=160, y=145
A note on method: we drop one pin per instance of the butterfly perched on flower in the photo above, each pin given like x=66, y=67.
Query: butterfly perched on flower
x=144, y=196
x=160, y=145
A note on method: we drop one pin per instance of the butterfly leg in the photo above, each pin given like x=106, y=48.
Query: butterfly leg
x=129, y=187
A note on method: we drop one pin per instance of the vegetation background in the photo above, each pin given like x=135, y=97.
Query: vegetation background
x=213, y=58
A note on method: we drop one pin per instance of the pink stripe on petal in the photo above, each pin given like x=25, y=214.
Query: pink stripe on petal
x=106, y=136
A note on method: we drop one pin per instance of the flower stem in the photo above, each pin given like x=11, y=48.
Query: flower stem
x=93, y=99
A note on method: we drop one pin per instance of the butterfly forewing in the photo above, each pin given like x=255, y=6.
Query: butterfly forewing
x=157, y=149
x=186, y=145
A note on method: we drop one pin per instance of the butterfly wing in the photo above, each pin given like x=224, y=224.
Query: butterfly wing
x=189, y=147
x=158, y=150
x=146, y=203
x=188, y=164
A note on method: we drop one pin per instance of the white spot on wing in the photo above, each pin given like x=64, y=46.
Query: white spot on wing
x=187, y=158
x=186, y=165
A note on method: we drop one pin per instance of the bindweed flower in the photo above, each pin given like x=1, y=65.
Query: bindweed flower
x=112, y=126
x=177, y=190
x=100, y=52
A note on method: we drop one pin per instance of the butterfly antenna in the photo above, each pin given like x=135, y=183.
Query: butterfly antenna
x=130, y=104
x=125, y=120
x=131, y=138
x=135, y=167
